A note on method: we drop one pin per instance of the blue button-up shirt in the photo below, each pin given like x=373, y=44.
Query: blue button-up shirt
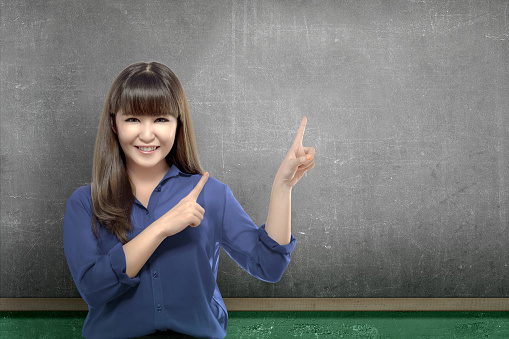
x=176, y=289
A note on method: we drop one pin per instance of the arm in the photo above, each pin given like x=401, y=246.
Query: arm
x=298, y=160
x=139, y=249
x=249, y=245
x=99, y=276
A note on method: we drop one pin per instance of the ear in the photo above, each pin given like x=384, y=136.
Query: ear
x=113, y=123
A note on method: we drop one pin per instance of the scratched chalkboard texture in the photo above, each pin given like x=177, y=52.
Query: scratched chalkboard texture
x=407, y=106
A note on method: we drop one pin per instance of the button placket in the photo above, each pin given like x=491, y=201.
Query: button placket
x=154, y=270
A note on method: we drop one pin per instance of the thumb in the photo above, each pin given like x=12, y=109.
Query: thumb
x=302, y=160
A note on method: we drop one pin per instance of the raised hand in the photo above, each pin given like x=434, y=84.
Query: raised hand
x=298, y=160
x=186, y=213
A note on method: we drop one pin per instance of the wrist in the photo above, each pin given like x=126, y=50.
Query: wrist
x=160, y=231
x=280, y=186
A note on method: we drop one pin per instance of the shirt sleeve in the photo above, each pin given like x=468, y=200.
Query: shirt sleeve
x=99, y=277
x=251, y=247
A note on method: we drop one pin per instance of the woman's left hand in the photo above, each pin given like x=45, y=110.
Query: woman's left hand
x=298, y=160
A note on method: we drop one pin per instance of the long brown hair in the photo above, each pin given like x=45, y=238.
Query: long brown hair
x=142, y=89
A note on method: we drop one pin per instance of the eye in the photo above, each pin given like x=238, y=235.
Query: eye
x=131, y=120
x=161, y=120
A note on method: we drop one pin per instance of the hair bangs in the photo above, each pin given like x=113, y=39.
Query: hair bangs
x=146, y=94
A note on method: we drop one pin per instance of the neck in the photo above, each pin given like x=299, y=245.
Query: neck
x=143, y=175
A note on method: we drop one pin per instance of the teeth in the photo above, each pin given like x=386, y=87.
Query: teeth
x=147, y=149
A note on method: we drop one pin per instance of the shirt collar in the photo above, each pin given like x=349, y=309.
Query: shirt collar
x=173, y=172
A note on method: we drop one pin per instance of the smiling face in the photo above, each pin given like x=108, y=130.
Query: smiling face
x=146, y=140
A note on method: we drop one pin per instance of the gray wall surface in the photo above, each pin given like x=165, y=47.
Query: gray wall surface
x=407, y=106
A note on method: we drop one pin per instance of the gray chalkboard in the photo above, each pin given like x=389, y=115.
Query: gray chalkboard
x=407, y=106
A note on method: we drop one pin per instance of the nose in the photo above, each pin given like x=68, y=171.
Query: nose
x=147, y=132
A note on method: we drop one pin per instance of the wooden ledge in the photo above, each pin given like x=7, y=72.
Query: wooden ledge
x=292, y=304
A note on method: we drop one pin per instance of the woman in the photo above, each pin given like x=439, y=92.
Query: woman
x=134, y=259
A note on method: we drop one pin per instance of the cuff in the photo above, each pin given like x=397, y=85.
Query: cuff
x=273, y=245
x=118, y=264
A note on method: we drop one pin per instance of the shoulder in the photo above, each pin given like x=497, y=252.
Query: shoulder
x=81, y=197
x=212, y=184
x=213, y=192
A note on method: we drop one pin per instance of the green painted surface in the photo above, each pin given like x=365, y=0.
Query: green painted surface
x=261, y=325
x=369, y=325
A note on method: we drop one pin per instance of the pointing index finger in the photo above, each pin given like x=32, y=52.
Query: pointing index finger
x=199, y=186
x=300, y=132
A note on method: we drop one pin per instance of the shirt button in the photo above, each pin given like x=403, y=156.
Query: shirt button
x=159, y=308
x=147, y=212
x=158, y=189
x=155, y=274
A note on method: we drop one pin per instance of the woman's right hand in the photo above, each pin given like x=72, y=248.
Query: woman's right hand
x=186, y=213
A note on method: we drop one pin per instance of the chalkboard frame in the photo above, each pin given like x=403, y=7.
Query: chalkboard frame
x=293, y=304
